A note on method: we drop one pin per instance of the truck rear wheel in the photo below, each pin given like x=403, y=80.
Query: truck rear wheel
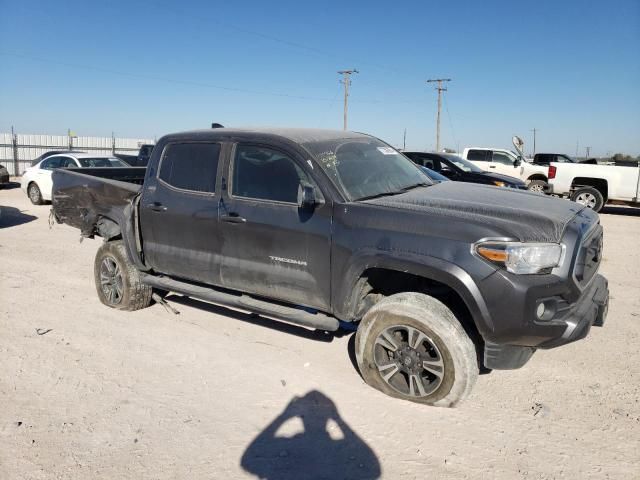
x=117, y=280
x=537, y=186
x=411, y=346
x=589, y=197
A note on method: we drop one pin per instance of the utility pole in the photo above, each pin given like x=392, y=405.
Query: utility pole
x=588, y=150
x=404, y=140
x=346, y=81
x=440, y=89
x=534, y=140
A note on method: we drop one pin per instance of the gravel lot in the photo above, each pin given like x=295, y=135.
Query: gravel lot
x=90, y=392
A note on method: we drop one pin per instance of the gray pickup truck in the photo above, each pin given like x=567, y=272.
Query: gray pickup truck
x=331, y=230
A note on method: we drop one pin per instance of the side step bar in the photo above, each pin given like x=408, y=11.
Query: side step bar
x=297, y=316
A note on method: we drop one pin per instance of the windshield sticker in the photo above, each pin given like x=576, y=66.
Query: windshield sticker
x=387, y=151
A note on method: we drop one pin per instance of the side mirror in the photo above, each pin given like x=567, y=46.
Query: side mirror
x=307, y=197
x=517, y=162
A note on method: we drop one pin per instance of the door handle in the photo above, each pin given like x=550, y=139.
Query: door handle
x=492, y=166
x=233, y=218
x=157, y=207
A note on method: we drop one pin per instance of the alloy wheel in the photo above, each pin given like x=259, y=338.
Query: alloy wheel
x=111, y=280
x=408, y=361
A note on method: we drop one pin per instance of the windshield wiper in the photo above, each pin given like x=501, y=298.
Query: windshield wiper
x=393, y=192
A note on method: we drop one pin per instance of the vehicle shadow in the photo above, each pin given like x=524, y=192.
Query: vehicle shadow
x=12, y=217
x=254, y=319
x=10, y=186
x=327, y=448
x=628, y=211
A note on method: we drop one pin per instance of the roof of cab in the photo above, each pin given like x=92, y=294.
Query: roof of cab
x=297, y=135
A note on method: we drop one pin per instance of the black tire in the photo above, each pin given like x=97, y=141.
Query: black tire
x=589, y=197
x=537, y=186
x=118, y=280
x=34, y=194
x=447, y=350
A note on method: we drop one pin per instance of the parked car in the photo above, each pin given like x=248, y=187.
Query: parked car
x=458, y=169
x=53, y=152
x=333, y=229
x=139, y=160
x=546, y=159
x=36, y=180
x=508, y=163
x=596, y=185
x=4, y=176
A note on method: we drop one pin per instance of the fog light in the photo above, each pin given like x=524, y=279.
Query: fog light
x=540, y=310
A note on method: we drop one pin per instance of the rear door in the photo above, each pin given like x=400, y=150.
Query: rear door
x=481, y=158
x=179, y=212
x=270, y=246
x=43, y=174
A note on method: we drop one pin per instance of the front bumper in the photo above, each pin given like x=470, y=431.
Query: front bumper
x=571, y=322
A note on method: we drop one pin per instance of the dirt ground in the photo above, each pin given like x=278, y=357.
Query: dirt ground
x=90, y=392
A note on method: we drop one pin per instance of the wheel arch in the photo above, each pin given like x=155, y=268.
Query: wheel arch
x=600, y=184
x=537, y=176
x=429, y=275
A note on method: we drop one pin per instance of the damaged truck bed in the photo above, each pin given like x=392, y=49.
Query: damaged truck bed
x=329, y=229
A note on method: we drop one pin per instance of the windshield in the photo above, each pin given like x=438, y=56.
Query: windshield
x=101, y=162
x=463, y=164
x=366, y=167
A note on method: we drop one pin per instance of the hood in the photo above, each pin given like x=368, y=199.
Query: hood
x=528, y=217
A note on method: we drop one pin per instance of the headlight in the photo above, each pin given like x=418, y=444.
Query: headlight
x=498, y=183
x=523, y=258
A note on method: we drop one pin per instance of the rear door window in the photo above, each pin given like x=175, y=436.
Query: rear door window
x=190, y=166
x=53, y=162
x=477, y=155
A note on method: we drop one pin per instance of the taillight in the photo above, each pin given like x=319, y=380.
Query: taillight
x=552, y=171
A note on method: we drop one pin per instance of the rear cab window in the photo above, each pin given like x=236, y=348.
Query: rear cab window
x=190, y=166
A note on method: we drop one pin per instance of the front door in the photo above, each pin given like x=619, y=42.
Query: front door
x=179, y=213
x=271, y=247
x=504, y=164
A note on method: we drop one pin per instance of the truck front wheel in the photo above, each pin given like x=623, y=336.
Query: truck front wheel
x=411, y=346
x=117, y=280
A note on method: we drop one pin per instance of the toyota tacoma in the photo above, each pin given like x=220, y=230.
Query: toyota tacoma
x=338, y=230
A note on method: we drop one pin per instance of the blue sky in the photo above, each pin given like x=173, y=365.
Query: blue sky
x=143, y=68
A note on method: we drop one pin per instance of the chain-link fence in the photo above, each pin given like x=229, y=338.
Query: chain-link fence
x=18, y=151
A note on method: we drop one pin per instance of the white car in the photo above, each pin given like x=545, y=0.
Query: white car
x=596, y=185
x=36, y=180
x=506, y=162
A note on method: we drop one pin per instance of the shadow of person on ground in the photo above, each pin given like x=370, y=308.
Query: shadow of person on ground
x=11, y=217
x=326, y=449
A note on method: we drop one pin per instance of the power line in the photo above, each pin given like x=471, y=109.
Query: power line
x=346, y=81
x=193, y=83
x=440, y=89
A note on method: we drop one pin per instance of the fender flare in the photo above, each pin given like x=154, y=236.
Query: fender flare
x=347, y=294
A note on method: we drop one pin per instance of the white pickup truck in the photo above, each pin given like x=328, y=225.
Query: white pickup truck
x=595, y=185
x=506, y=162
